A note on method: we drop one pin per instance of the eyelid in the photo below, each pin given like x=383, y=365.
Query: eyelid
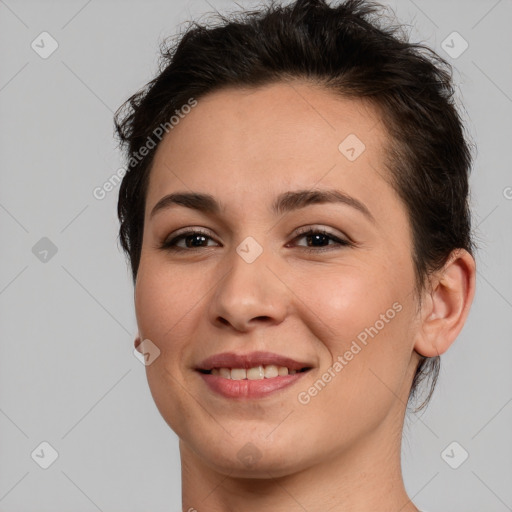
x=317, y=227
x=189, y=230
x=341, y=236
x=340, y=241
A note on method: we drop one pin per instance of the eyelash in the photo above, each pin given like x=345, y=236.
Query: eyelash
x=170, y=245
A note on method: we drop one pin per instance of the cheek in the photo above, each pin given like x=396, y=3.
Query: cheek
x=360, y=320
x=348, y=300
x=162, y=298
x=164, y=306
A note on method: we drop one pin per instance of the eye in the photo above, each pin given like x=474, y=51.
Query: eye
x=318, y=240
x=192, y=240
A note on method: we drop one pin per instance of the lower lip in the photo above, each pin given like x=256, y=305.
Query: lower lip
x=247, y=389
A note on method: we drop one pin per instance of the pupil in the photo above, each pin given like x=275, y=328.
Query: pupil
x=195, y=237
x=317, y=237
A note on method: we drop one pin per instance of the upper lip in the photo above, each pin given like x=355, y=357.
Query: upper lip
x=250, y=360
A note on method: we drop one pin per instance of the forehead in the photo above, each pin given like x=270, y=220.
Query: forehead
x=269, y=138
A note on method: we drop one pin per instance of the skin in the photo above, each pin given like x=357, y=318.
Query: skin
x=341, y=451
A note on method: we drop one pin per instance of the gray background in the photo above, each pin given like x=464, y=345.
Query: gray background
x=67, y=372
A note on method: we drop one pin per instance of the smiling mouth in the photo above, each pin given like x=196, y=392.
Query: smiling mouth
x=255, y=373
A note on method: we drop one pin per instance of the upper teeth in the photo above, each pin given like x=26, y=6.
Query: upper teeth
x=257, y=372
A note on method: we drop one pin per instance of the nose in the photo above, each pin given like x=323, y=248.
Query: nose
x=249, y=295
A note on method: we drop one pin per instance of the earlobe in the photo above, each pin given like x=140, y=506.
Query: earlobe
x=136, y=343
x=449, y=302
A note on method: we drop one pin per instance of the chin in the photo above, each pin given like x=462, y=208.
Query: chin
x=275, y=465
x=245, y=457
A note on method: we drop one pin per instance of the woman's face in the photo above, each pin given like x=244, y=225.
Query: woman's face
x=340, y=303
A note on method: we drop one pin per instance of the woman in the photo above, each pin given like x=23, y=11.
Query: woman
x=295, y=215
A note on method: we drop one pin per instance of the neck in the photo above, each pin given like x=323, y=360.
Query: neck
x=365, y=477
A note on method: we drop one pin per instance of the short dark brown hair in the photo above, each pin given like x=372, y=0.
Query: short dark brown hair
x=345, y=49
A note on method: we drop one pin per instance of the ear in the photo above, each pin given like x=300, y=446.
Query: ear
x=446, y=307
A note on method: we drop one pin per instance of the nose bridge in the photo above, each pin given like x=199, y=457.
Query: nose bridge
x=249, y=290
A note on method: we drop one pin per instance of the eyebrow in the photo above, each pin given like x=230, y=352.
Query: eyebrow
x=285, y=202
